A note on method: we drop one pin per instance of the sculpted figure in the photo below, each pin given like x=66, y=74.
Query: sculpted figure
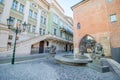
x=53, y=49
x=98, y=51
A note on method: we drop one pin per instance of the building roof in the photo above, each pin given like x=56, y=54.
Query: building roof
x=79, y=3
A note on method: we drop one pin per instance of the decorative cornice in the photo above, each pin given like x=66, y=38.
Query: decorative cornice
x=79, y=3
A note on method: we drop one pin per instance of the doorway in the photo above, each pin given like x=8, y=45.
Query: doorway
x=66, y=48
x=41, y=47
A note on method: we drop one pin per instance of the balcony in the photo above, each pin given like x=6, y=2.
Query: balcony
x=67, y=30
x=59, y=39
x=62, y=29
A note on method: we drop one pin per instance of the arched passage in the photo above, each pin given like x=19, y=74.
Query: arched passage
x=86, y=44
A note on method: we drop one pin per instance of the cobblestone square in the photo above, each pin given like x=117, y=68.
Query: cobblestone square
x=48, y=69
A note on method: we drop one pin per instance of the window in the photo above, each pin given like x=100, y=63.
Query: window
x=47, y=43
x=1, y=1
x=30, y=13
x=55, y=19
x=78, y=26
x=55, y=31
x=113, y=18
x=21, y=9
x=33, y=29
x=61, y=23
x=44, y=20
x=60, y=33
x=40, y=31
x=10, y=37
x=110, y=0
x=35, y=15
x=14, y=5
x=43, y=31
x=29, y=27
x=41, y=21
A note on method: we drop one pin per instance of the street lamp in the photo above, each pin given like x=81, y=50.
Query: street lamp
x=24, y=26
x=10, y=23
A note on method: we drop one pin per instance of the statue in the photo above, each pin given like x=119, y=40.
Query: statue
x=53, y=49
x=97, y=54
x=98, y=51
x=82, y=49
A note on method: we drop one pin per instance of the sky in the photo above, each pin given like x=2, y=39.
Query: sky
x=67, y=4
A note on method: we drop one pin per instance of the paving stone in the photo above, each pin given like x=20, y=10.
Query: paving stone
x=48, y=69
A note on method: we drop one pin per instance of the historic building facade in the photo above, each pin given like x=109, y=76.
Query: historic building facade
x=35, y=18
x=99, y=19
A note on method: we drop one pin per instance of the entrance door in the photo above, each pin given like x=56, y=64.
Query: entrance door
x=66, y=48
x=41, y=47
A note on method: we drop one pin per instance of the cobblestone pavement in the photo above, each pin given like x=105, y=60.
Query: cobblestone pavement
x=48, y=69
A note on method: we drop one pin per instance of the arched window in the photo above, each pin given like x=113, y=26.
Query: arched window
x=78, y=26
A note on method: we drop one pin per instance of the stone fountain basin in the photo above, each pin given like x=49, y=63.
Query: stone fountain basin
x=69, y=59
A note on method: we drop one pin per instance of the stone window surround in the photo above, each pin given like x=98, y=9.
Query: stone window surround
x=113, y=18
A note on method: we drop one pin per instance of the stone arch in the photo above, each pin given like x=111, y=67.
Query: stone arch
x=86, y=43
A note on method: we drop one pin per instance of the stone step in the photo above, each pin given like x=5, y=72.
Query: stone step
x=99, y=67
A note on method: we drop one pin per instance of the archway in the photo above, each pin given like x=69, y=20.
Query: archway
x=87, y=44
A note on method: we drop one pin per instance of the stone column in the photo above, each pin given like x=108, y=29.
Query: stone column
x=4, y=33
x=38, y=22
x=6, y=11
x=46, y=29
x=18, y=6
x=26, y=11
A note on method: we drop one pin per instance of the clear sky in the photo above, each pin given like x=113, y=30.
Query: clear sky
x=67, y=4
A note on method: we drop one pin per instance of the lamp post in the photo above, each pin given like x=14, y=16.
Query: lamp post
x=10, y=23
x=24, y=26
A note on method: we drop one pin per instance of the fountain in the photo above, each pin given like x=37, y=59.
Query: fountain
x=81, y=58
x=71, y=60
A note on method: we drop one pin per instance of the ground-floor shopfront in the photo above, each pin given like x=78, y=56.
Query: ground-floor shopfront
x=45, y=46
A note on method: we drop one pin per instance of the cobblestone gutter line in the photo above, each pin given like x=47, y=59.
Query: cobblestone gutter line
x=115, y=65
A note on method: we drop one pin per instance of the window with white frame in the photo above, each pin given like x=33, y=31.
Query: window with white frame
x=55, y=19
x=109, y=0
x=35, y=15
x=29, y=28
x=78, y=25
x=33, y=29
x=43, y=31
x=55, y=31
x=44, y=21
x=41, y=19
x=60, y=33
x=21, y=9
x=14, y=5
x=61, y=23
x=30, y=13
x=40, y=31
x=113, y=18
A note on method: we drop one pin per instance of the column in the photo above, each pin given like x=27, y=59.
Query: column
x=46, y=29
x=18, y=6
x=6, y=11
x=26, y=11
x=38, y=22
